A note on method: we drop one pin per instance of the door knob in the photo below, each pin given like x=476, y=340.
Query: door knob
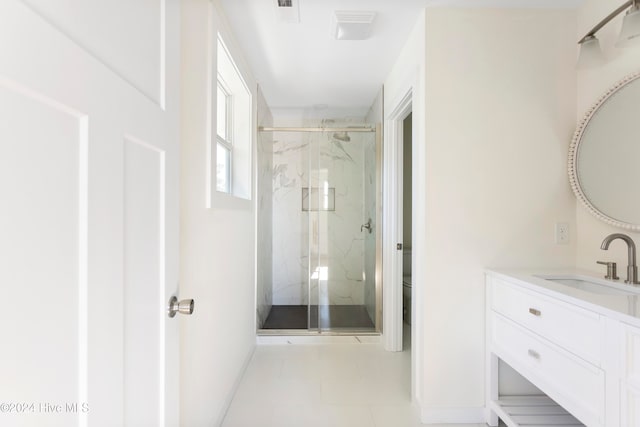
x=184, y=307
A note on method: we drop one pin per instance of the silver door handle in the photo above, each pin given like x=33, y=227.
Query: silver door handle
x=184, y=307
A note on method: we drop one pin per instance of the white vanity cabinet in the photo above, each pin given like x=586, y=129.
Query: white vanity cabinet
x=630, y=399
x=584, y=358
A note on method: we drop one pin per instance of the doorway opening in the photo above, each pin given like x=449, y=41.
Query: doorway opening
x=407, y=230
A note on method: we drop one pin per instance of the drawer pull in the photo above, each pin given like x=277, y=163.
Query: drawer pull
x=534, y=354
x=535, y=312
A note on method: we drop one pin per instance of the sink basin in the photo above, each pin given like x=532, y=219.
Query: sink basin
x=590, y=284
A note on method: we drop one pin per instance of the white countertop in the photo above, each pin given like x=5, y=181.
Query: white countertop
x=625, y=308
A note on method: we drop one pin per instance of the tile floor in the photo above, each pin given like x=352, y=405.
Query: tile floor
x=350, y=385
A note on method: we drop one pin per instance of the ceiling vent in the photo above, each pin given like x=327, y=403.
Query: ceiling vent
x=288, y=11
x=352, y=25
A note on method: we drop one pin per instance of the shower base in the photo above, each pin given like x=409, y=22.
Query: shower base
x=328, y=317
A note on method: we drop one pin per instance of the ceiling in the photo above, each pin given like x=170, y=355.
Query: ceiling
x=301, y=65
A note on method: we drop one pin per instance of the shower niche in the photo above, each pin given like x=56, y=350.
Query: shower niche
x=318, y=229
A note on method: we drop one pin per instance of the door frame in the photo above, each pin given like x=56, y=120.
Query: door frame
x=408, y=100
x=392, y=228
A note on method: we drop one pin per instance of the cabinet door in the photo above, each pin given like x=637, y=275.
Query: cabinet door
x=632, y=356
x=630, y=407
x=630, y=399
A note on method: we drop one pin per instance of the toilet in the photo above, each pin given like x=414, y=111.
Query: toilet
x=406, y=286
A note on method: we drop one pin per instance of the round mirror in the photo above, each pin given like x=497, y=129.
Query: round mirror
x=604, y=156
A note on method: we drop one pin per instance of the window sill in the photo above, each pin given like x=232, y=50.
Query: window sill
x=220, y=200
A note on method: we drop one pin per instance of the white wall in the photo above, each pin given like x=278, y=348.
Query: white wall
x=592, y=83
x=217, y=244
x=490, y=146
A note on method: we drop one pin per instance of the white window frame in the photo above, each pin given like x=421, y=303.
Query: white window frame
x=227, y=64
x=228, y=142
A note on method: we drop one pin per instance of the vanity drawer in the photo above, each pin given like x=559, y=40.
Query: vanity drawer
x=573, y=328
x=575, y=384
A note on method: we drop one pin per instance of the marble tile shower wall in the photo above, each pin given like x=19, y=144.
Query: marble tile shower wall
x=264, y=290
x=337, y=243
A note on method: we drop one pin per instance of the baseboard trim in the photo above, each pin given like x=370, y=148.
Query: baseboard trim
x=236, y=384
x=452, y=415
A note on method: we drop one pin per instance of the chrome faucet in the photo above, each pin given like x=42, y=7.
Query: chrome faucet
x=632, y=269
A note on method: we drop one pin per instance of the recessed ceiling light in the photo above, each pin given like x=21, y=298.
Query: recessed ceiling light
x=352, y=25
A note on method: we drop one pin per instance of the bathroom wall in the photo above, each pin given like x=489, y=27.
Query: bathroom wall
x=217, y=244
x=336, y=241
x=493, y=113
x=592, y=83
x=264, y=189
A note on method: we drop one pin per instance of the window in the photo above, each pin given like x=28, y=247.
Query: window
x=233, y=128
x=223, y=140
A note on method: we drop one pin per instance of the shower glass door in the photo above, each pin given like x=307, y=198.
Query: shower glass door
x=341, y=204
x=318, y=204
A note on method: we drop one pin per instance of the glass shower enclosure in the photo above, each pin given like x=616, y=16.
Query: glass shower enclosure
x=325, y=222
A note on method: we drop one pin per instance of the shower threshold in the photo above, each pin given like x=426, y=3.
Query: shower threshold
x=334, y=319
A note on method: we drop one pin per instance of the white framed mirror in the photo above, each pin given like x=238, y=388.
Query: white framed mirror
x=604, y=156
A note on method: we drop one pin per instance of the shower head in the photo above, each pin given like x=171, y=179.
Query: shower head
x=341, y=136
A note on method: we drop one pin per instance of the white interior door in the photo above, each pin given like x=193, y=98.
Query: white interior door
x=88, y=212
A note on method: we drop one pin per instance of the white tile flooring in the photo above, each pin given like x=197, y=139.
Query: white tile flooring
x=350, y=385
